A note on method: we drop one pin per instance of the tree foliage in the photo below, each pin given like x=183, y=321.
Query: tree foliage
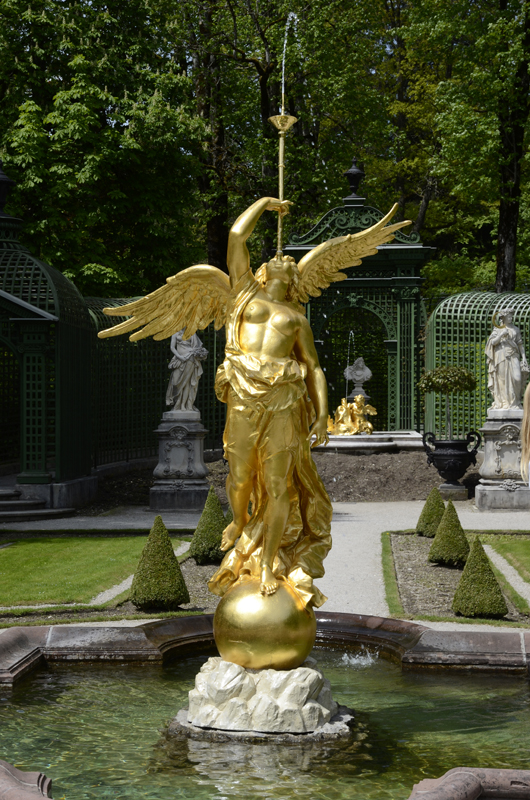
x=478, y=593
x=447, y=380
x=100, y=137
x=431, y=514
x=158, y=583
x=138, y=131
x=205, y=545
x=449, y=546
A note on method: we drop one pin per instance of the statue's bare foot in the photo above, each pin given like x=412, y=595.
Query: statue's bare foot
x=230, y=535
x=268, y=584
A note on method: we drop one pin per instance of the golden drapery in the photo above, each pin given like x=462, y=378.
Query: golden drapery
x=273, y=393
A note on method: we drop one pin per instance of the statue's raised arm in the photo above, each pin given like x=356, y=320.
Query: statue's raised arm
x=238, y=257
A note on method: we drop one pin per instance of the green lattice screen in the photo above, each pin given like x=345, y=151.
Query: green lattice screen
x=367, y=341
x=36, y=397
x=10, y=405
x=386, y=323
x=456, y=334
x=129, y=388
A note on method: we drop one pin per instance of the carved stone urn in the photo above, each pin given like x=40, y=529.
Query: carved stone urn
x=451, y=457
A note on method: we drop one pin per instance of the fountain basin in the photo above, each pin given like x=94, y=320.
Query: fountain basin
x=100, y=731
x=23, y=649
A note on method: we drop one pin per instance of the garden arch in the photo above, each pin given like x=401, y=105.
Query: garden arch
x=386, y=284
x=374, y=336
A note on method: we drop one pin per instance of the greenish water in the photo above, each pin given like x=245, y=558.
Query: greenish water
x=96, y=732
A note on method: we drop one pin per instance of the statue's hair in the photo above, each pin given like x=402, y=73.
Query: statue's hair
x=291, y=295
x=505, y=311
x=525, y=435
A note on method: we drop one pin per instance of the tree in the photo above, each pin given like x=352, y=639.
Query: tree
x=431, y=514
x=235, y=62
x=478, y=593
x=449, y=546
x=205, y=545
x=158, y=583
x=448, y=381
x=138, y=132
x=101, y=139
x=477, y=55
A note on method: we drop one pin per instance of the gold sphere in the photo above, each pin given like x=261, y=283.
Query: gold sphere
x=260, y=631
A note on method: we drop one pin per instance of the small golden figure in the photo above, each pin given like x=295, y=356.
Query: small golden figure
x=350, y=418
x=359, y=409
x=343, y=423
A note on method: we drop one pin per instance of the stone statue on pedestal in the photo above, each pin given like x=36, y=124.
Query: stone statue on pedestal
x=187, y=370
x=501, y=485
x=359, y=373
x=180, y=475
x=506, y=359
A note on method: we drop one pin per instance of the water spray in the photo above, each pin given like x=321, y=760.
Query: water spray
x=282, y=122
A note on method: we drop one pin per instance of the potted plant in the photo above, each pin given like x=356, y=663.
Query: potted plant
x=451, y=457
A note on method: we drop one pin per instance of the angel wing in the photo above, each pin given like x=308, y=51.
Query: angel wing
x=191, y=299
x=322, y=265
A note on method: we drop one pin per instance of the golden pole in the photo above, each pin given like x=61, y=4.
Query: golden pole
x=282, y=122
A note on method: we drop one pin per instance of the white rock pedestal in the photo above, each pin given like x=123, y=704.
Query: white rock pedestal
x=229, y=698
x=180, y=475
x=501, y=486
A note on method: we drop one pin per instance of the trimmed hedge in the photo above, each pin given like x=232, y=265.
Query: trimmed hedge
x=450, y=546
x=478, y=593
x=229, y=517
x=431, y=514
x=158, y=584
x=205, y=545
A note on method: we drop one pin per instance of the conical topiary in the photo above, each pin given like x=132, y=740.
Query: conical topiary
x=431, y=514
x=229, y=516
x=478, y=593
x=205, y=544
x=158, y=584
x=450, y=546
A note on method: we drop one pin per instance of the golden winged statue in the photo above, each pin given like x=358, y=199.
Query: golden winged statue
x=275, y=392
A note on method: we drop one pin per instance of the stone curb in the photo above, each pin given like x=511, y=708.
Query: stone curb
x=413, y=645
x=467, y=783
x=17, y=785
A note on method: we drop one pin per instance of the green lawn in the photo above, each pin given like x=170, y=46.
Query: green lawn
x=515, y=550
x=65, y=569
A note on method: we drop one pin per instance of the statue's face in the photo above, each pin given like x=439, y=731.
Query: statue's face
x=281, y=269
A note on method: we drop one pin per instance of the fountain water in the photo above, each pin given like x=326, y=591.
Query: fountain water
x=291, y=18
x=351, y=347
x=96, y=731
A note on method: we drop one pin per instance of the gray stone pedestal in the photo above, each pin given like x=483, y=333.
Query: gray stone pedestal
x=501, y=486
x=180, y=475
x=453, y=491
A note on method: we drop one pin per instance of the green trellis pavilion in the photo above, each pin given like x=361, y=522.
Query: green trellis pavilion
x=377, y=313
x=73, y=404
x=456, y=334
